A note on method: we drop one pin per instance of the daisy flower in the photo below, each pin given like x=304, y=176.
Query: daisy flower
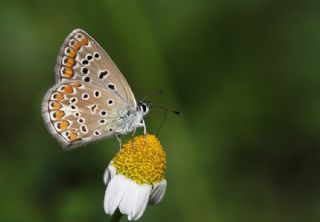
x=135, y=177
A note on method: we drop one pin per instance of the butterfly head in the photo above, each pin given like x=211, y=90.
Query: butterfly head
x=143, y=107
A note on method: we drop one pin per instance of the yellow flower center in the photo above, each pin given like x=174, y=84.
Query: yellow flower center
x=142, y=159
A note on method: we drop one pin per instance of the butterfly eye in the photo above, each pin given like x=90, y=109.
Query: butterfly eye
x=144, y=108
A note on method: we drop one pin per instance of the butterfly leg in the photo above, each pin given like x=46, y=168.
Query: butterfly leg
x=119, y=139
x=144, y=128
x=143, y=124
x=133, y=133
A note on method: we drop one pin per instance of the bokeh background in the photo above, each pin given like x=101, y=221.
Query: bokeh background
x=245, y=74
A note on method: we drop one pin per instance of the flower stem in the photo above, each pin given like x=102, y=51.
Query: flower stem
x=116, y=217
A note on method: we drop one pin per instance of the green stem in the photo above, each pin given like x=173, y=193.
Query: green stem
x=116, y=217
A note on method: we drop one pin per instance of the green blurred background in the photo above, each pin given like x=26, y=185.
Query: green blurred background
x=246, y=75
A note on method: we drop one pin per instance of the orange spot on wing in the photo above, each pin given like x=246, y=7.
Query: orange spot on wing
x=63, y=125
x=59, y=96
x=72, y=53
x=73, y=136
x=76, y=46
x=55, y=105
x=70, y=62
x=59, y=114
x=84, y=41
x=68, y=89
x=76, y=84
x=68, y=73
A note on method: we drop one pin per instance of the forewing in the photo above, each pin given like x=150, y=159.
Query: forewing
x=82, y=58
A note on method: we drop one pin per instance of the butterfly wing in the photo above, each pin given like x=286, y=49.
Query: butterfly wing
x=77, y=113
x=82, y=58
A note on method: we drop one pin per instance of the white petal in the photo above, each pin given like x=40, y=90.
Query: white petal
x=106, y=176
x=142, y=200
x=109, y=173
x=114, y=193
x=158, y=192
x=128, y=203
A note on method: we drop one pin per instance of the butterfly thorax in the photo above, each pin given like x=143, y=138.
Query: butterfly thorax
x=133, y=118
x=130, y=121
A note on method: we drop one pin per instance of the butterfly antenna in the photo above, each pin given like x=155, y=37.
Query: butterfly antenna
x=154, y=94
x=162, y=122
x=166, y=110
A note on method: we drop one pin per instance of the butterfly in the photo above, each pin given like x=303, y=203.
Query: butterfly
x=91, y=99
